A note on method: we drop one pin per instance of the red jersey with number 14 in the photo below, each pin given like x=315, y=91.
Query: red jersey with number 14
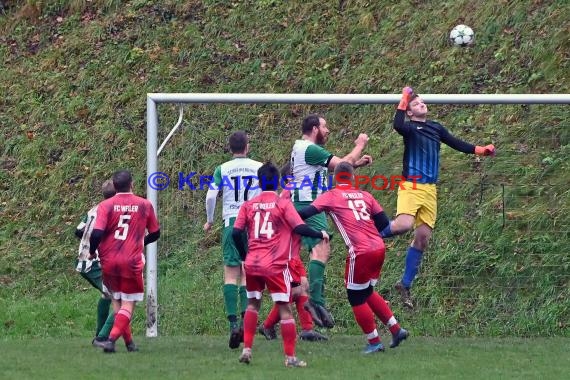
x=124, y=218
x=351, y=210
x=269, y=221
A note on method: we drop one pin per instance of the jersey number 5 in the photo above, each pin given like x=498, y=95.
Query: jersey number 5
x=264, y=227
x=359, y=209
x=122, y=227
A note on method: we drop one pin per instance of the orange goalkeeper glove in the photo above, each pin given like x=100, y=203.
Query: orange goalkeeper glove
x=407, y=93
x=488, y=150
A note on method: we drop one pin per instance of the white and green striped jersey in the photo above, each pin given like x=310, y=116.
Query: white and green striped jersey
x=309, y=166
x=237, y=179
x=87, y=224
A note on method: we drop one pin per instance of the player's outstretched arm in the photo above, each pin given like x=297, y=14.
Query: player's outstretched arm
x=354, y=155
x=381, y=221
x=151, y=237
x=365, y=160
x=305, y=230
x=400, y=116
x=453, y=142
x=407, y=94
x=487, y=150
x=211, y=196
x=308, y=211
x=465, y=147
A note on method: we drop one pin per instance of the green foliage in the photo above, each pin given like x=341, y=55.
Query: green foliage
x=74, y=79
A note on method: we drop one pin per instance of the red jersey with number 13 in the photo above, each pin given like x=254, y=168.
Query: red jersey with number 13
x=351, y=210
x=125, y=218
x=269, y=221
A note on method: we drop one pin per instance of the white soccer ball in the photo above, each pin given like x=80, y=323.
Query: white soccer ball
x=462, y=35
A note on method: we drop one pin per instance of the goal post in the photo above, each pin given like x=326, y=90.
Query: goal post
x=152, y=196
x=153, y=99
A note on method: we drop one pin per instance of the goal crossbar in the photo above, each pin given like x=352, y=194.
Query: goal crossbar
x=358, y=98
x=153, y=99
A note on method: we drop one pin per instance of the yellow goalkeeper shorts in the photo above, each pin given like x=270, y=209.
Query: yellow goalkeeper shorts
x=419, y=200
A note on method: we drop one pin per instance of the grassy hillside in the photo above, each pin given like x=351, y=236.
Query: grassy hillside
x=74, y=79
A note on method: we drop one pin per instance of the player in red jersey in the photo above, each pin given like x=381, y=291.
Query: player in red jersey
x=299, y=285
x=359, y=219
x=119, y=235
x=269, y=221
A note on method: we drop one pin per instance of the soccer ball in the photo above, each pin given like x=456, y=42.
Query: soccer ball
x=462, y=35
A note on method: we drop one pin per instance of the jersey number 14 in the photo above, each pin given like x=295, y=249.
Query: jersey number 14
x=263, y=227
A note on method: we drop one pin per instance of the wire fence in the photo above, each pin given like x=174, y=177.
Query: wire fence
x=498, y=260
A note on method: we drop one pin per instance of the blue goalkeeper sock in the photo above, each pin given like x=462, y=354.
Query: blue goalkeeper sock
x=413, y=261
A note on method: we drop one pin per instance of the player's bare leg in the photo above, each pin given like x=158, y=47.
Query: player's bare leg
x=422, y=235
x=402, y=224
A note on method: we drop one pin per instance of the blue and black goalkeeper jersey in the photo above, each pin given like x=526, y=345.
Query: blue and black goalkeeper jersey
x=422, y=141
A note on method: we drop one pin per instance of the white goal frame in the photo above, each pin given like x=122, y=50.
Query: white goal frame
x=153, y=99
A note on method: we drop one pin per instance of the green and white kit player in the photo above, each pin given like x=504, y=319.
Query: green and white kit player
x=310, y=163
x=237, y=179
x=90, y=270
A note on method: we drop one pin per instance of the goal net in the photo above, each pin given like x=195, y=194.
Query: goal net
x=498, y=248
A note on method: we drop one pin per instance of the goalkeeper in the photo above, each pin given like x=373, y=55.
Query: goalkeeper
x=417, y=203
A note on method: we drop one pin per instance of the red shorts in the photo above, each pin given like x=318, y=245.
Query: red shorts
x=278, y=285
x=363, y=270
x=297, y=270
x=123, y=282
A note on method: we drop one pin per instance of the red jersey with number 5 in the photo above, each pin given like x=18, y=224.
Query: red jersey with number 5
x=351, y=210
x=124, y=218
x=269, y=221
